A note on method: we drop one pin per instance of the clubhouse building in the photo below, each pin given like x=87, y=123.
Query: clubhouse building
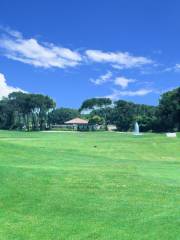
x=78, y=124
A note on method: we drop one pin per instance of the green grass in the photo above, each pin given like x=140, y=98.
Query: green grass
x=99, y=185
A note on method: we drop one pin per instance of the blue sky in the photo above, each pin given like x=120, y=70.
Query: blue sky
x=74, y=50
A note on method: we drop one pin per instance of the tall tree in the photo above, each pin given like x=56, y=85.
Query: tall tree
x=124, y=115
x=32, y=109
x=169, y=111
x=7, y=115
x=61, y=115
x=96, y=103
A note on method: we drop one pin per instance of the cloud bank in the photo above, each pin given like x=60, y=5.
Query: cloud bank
x=15, y=46
x=47, y=55
x=5, y=89
x=118, y=93
x=118, y=60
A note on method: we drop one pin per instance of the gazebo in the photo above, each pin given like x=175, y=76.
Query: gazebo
x=78, y=123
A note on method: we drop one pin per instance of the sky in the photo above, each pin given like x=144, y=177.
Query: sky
x=72, y=50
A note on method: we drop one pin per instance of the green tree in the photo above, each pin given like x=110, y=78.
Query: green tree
x=61, y=115
x=32, y=110
x=7, y=115
x=169, y=111
x=96, y=120
x=124, y=115
x=107, y=112
x=145, y=115
x=96, y=104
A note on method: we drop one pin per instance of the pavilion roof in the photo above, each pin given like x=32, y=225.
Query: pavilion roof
x=77, y=121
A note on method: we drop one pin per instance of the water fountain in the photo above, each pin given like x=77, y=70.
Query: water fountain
x=136, y=129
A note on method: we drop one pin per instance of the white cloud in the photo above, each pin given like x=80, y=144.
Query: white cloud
x=123, y=82
x=102, y=79
x=5, y=89
x=118, y=59
x=175, y=68
x=11, y=32
x=108, y=77
x=30, y=51
x=47, y=55
x=117, y=94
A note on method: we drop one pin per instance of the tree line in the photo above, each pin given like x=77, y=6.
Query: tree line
x=123, y=114
x=38, y=112
x=26, y=111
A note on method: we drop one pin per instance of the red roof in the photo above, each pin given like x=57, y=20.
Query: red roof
x=77, y=121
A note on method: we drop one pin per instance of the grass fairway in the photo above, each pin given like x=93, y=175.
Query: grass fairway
x=78, y=186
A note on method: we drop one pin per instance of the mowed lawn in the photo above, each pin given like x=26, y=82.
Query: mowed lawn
x=72, y=186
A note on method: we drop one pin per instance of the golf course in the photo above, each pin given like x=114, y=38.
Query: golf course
x=89, y=185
